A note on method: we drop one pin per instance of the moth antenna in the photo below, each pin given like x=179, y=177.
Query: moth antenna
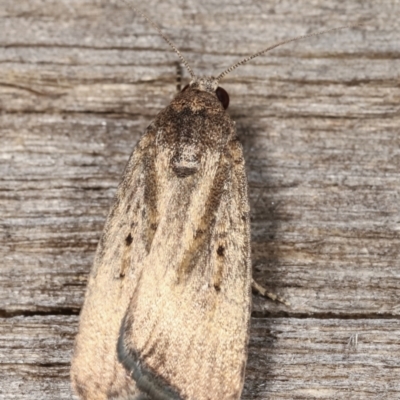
x=158, y=29
x=245, y=60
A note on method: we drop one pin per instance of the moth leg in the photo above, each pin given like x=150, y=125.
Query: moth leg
x=264, y=292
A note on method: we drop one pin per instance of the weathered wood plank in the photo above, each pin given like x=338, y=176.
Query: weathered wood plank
x=79, y=82
x=289, y=358
x=35, y=357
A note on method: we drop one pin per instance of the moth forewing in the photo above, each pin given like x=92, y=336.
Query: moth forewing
x=96, y=372
x=186, y=328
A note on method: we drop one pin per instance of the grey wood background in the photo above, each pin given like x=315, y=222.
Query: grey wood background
x=319, y=121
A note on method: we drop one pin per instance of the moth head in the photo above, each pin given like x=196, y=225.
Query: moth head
x=210, y=85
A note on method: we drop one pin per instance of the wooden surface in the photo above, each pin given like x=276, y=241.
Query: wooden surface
x=319, y=121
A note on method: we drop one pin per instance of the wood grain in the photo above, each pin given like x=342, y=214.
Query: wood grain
x=289, y=358
x=319, y=120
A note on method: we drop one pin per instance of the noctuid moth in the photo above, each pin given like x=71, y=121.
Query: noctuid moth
x=167, y=309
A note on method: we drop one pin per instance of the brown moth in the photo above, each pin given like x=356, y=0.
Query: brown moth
x=167, y=308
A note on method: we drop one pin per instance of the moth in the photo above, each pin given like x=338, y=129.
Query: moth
x=167, y=309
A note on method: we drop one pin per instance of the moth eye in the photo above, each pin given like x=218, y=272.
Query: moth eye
x=184, y=88
x=223, y=97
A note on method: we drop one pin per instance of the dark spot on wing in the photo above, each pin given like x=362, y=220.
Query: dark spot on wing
x=221, y=251
x=128, y=240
